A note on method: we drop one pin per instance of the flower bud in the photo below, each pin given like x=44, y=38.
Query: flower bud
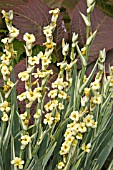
x=10, y=15
x=74, y=37
x=90, y=2
x=91, y=38
x=85, y=18
x=91, y=8
x=102, y=56
x=65, y=49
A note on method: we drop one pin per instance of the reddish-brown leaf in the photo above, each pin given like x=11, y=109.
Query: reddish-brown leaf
x=32, y=17
x=53, y=3
x=100, y=22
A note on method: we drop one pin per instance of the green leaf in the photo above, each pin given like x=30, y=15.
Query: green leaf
x=12, y=151
x=1, y=162
x=16, y=125
x=110, y=166
x=89, y=77
x=8, y=131
x=48, y=155
x=43, y=146
x=19, y=47
x=105, y=153
x=36, y=49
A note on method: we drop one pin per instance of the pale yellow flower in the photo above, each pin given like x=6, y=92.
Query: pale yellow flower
x=41, y=55
x=48, y=32
x=62, y=94
x=68, y=132
x=42, y=74
x=24, y=76
x=37, y=114
x=61, y=165
x=95, y=85
x=5, y=70
x=5, y=107
x=9, y=84
x=4, y=117
x=73, y=126
x=53, y=93
x=82, y=127
x=54, y=102
x=5, y=40
x=48, y=119
x=29, y=38
x=47, y=106
x=13, y=32
x=88, y=120
x=69, y=139
x=85, y=78
x=22, y=96
x=60, y=106
x=87, y=91
x=65, y=84
x=31, y=96
x=17, y=162
x=49, y=45
x=83, y=50
x=46, y=61
x=74, y=143
x=74, y=116
x=33, y=60
x=94, y=124
x=57, y=117
x=58, y=84
x=48, y=27
x=65, y=148
x=97, y=99
x=5, y=60
x=54, y=11
x=23, y=116
x=79, y=136
x=25, y=139
x=54, y=19
x=86, y=148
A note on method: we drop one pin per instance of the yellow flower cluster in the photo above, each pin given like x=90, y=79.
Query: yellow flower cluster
x=76, y=129
x=110, y=80
x=6, y=62
x=32, y=94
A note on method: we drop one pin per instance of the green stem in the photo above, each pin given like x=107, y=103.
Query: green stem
x=88, y=27
x=87, y=36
